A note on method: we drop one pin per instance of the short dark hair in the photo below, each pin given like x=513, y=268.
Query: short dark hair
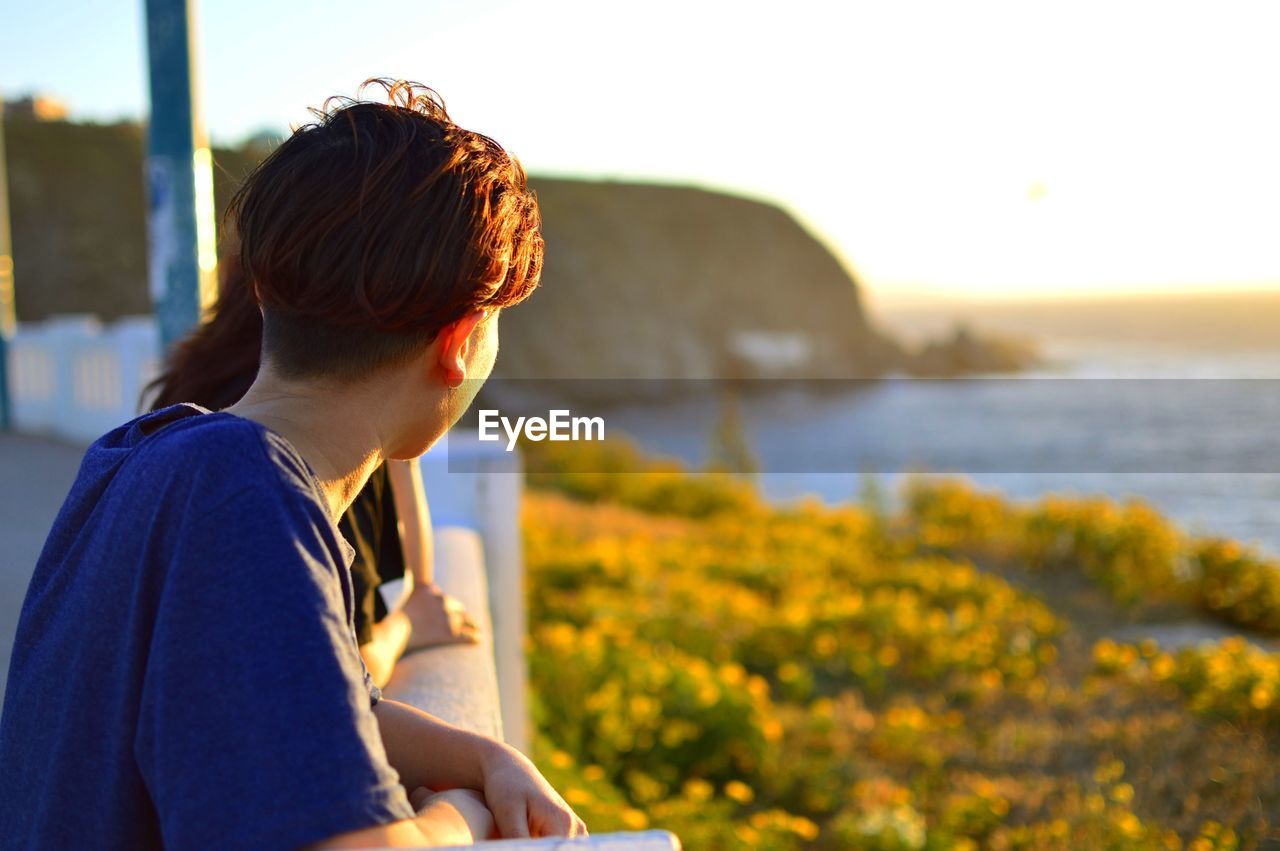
x=367, y=231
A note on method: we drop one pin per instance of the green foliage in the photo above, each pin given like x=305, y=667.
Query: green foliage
x=1238, y=585
x=1229, y=679
x=680, y=718
x=1128, y=549
x=807, y=676
x=615, y=471
x=78, y=203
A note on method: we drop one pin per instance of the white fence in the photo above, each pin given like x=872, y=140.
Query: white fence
x=74, y=378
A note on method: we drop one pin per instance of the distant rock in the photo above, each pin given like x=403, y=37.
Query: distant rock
x=967, y=353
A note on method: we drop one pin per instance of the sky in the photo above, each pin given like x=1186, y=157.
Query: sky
x=970, y=150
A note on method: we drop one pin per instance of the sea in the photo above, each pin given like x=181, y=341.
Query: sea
x=1172, y=400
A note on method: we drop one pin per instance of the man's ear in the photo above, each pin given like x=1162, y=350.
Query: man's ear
x=451, y=353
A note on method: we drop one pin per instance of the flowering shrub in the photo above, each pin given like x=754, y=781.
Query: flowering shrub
x=1128, y=549
x=810, y=676
x=1238, y=585
x=615, y=471
x=1231, y=679
x=651, y=715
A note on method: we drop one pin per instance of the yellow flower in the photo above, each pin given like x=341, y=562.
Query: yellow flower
x=1129, y=825
x=1162, y=667
x=698, y=790
x=732, y=673
x=789, y=672
x=825, y=644
x=888, y=656
x=739, y=791
x=578, y=797
x=804, y=828
x=708, y=694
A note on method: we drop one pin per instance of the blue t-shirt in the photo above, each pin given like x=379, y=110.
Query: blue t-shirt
x=185, y=672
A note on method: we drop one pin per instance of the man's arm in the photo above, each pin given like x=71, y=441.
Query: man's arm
x=429, y=618
x=429, y=752
x=457, y=817
x=435, y=618
x=390, y=638
x=426, y=751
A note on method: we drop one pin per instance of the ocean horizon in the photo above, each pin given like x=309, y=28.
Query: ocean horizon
x=1178, y=415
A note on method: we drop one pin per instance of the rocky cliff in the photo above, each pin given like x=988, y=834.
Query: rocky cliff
x=646, y=281
x=641, y=281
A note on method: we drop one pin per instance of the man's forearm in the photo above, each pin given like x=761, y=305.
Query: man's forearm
x=439, y=823
x=390, y=638
x=432, y=753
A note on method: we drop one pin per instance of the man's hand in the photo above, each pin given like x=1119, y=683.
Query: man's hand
x=429, y=752
x=522, y=801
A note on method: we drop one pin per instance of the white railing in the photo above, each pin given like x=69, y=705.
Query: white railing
x=75, y=379
x=477, y=486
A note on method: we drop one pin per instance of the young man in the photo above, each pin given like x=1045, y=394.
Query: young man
x=185, y=673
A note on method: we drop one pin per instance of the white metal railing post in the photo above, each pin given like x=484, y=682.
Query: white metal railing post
x=478, y=486
x=501, y=488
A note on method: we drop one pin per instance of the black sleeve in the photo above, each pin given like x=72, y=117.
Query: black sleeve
x=391, y=560
x=362, y=526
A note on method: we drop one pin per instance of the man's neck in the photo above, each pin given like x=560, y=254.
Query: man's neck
x=332, y=432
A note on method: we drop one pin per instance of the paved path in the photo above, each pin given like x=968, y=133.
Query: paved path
x=35, y=475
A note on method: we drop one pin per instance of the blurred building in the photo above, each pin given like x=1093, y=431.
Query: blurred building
x=37, y=107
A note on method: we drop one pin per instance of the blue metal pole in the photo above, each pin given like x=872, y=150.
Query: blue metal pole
x=8, y=318
x=180, y=218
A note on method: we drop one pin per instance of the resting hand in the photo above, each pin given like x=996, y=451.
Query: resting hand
x=523, y=802
x=437, y=619
x=458, y=810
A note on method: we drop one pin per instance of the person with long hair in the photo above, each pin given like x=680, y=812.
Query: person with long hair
x=398, y=607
